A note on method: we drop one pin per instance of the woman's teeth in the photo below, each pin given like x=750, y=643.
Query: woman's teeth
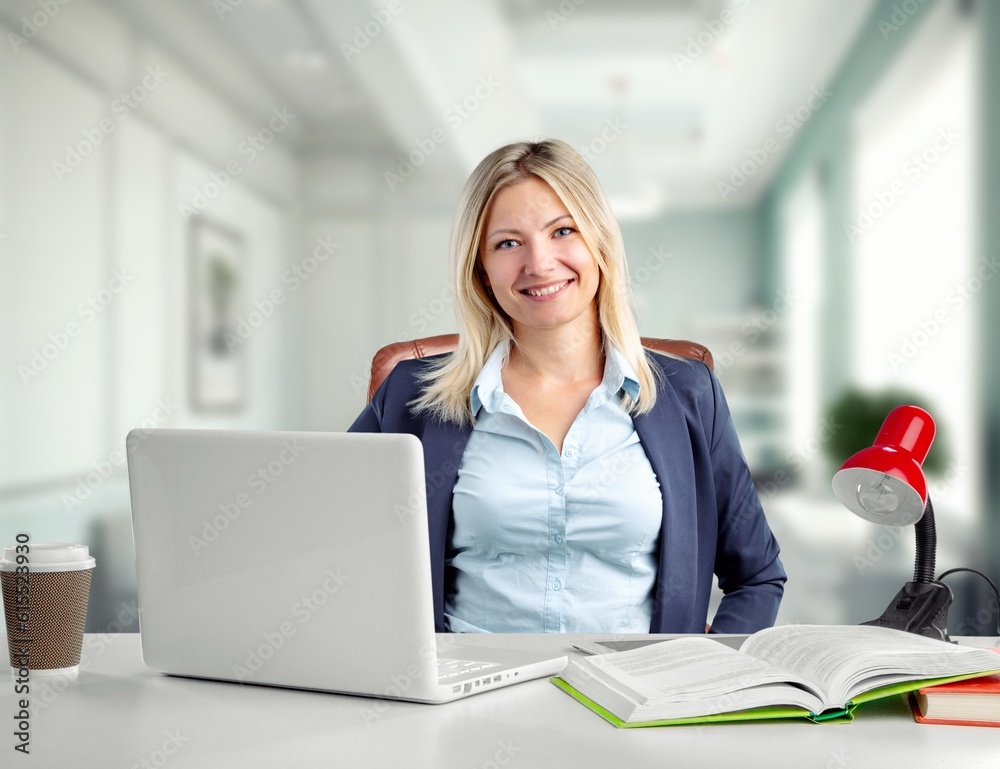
x=545, y=291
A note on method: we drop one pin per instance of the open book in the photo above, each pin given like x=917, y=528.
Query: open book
x=820, y=672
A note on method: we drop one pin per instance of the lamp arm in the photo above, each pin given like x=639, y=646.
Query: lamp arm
x=921, y=607
x=926, y=556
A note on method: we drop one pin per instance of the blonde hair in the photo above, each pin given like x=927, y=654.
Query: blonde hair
x=481, y=323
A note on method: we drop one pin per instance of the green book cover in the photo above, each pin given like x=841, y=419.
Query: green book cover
x=842, y=715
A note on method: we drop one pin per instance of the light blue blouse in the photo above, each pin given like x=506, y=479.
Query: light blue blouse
x=550, y=542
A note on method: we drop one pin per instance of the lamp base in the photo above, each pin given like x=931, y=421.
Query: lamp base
x=920, y=608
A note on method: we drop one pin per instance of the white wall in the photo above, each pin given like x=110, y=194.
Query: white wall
x=66, y=235
x=54, y=258
x=387, y=282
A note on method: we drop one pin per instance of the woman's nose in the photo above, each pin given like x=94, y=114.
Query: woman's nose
x=539, y=258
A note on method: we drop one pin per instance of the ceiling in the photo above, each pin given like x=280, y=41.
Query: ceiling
x=664, y=96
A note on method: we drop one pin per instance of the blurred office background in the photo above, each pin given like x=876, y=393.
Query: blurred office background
x=213, y=213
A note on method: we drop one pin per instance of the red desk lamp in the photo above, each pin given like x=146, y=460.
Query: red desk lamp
x=886, y=484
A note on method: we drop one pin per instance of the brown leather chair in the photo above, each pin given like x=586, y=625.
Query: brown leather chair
x=385, y=360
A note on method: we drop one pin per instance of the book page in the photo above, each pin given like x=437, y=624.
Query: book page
x=845, y=660
x=689, y=670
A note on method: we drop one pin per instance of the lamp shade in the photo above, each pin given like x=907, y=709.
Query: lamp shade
x=885, y=483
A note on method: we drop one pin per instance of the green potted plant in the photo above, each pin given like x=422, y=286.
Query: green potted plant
x=858, y=415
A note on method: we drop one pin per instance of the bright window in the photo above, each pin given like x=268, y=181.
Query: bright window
x=914, y=270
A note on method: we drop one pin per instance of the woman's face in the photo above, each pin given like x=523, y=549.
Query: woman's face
x=535, y=260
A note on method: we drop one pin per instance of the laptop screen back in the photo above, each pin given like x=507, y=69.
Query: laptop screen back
x=292, y=559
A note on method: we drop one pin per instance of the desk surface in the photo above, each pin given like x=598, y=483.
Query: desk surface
x=116, y=713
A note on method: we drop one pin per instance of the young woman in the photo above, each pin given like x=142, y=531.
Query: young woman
x=575, y=481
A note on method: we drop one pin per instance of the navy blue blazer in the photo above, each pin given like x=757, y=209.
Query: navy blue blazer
x=713, y=521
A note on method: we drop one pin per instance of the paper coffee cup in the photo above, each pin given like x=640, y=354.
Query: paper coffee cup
x=46, y=587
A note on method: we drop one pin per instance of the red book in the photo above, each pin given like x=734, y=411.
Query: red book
x=973, y=702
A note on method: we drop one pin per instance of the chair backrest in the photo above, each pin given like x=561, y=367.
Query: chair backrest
x=385, y=360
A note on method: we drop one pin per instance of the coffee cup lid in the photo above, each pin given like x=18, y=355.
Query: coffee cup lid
x=48, y=556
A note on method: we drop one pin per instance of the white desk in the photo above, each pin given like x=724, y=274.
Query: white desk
x=117, y=714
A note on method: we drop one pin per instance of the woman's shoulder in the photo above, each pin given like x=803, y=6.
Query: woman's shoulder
x=679, y=373
x=686, y=384
x=393, y=400
x=408, y=375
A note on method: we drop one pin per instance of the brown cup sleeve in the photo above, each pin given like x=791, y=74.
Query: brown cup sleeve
x=57, y=611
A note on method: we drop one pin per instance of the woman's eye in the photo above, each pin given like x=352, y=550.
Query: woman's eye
x=562, y=232
x=505, y=244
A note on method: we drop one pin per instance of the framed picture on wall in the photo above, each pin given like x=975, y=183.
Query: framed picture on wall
x=217, y=278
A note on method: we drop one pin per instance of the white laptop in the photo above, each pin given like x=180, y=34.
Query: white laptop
x=300, y=560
